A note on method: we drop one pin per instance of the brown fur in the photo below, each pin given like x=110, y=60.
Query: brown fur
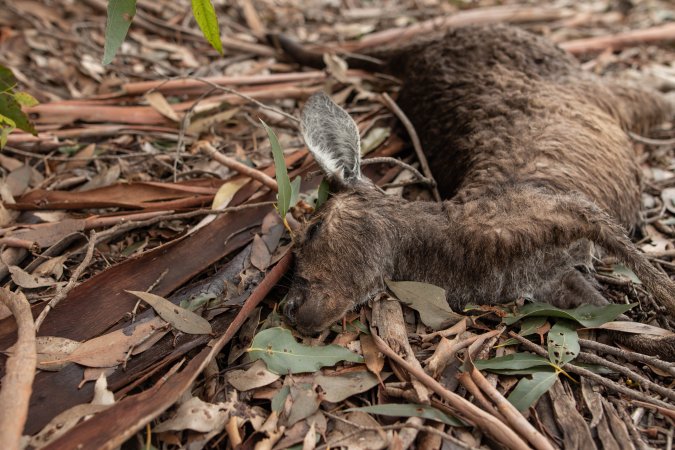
x=533, y=155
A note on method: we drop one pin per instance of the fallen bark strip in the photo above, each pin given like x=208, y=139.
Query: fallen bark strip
x=65, y=114
x=189, y=84
x=663, y=33
x=20, y=372
x=467, y=410
x=478, y=16
x=111, y=428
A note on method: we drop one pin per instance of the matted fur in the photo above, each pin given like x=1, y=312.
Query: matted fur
x=533, y=156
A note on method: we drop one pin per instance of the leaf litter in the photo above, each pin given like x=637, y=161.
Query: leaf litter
x=112, y=154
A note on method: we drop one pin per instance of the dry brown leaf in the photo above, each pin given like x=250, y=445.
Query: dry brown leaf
x=105, y=178
x=159, y=102
x=60, y=424
x=29, y=281
x=635, y=328
x=78, y=161
x=254, y=377
x=53, y=352
x=113, y=348
x=195, y=414
x=199, y=126
x=180, y=318
x=46, y=235
x=93, y=373
x=53, y=266
x=18, y=180
x=374, y=358
x=260, y=254
x=339, y=387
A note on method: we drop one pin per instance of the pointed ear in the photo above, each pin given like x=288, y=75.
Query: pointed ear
x=333, y=139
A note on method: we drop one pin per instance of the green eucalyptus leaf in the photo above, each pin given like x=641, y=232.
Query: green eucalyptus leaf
x=11, y=109
x=563, y=342
x=515, y=361
x=322, y=193
x=586, y=315
x=205, y=15
x=528, y=327
x=120, y=15
x=283, y=181
x=295, y=191
x=7, y=80
x=528, y=390
x=25, y=99
x=283, y=355
x=410, y=410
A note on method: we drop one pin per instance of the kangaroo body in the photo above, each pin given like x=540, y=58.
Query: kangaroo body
x=532, y=155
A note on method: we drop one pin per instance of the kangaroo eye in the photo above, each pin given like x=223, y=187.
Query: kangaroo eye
x=311, y=231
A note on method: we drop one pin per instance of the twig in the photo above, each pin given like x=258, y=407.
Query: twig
x=468, y=383
x=259, y=104
x=61, y=294
x=397, y=162
x=19, y=373
x=488, y=423
x=31, y=246
x=190, y=83
x=391, y=104
x=649, y=141
x=623, y=370
x=512, y=415
x=629, y=355
x=207, y=149
x=609, y=384
x=662, y=33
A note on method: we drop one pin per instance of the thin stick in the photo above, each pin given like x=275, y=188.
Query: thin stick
x=629, y=355
x=663, y=33
x=512, y=415
x=235, y=165
x=648, y=384
x=468, y=383
x=398, y=162
x=60, y=295
x=31, y=246
x=609, y=384
x=391, y=104
x=649, y=141
x=488, y=423
x=19, y=373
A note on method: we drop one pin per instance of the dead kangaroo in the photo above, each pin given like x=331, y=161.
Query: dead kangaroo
x=532, y=154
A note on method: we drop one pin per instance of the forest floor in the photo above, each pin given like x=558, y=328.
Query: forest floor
x=120, y=191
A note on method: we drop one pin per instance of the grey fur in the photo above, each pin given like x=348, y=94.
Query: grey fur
x=533, y=156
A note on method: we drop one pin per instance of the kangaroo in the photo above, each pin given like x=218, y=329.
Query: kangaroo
x=531, y=154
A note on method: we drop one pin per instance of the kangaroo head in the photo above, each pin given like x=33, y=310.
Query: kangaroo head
x=344, y=252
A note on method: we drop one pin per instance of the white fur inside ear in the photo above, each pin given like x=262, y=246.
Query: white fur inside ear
x=332, y=137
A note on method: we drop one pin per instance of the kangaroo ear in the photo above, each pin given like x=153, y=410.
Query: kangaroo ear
x=333, y=139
